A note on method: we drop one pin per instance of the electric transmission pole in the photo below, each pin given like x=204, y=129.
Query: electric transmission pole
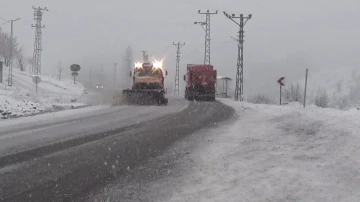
x=239, y=88
x=10, y=75
x=36, y=65
x=178, y=47
x=207, y=34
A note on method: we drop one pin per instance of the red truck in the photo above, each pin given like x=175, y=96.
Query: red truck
x=200, y=82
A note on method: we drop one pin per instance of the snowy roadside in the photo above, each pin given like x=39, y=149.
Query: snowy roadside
x=266, y=153
x=21, y=98
x=275, y=153
x=54, y=116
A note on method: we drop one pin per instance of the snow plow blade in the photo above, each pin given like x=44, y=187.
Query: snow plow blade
x=144, y=97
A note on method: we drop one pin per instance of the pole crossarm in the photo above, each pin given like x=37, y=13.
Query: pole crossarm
x=206, y=27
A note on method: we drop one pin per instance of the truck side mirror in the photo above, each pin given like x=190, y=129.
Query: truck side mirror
x=130, y=73
x=184, y=77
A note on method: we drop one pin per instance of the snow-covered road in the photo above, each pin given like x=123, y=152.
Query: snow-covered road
x=266, y=153
x=28, y=133
x=70, y=170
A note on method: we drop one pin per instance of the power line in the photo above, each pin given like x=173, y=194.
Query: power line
x=36, y=65
x=4, y=23
x=194, y=50
x=202, y=45
x=239, y=88
x=178, y=47
x=207, y=34
x=4, y=19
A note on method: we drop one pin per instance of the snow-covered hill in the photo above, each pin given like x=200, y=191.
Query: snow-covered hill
x=21, y=98
x=342, y=86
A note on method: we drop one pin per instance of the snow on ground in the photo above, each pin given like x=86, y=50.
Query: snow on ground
x=21, y=99
x=41, y=119
x=271, y=153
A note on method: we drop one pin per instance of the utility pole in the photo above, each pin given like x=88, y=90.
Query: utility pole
x=178, y=47
x=239, y=88
x=306, y=77
x=36, y=66
x=10, y=60
x=114, y=80
x=280, y=94
x=207, y=34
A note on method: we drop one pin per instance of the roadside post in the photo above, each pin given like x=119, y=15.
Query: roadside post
x=306, y=76
x=75, y=68
x=36, y=80
x=280, y=81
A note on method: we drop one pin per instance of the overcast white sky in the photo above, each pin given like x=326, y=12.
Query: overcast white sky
x=282, y=39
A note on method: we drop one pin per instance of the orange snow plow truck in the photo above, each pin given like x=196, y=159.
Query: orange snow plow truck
x=148, y=84
x=200, y=82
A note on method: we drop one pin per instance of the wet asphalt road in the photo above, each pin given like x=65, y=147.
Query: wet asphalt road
x=74, y=171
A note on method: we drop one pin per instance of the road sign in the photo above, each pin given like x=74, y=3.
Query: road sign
x=75, y=67
x=280, y=81
x=36, y=79
x=74, y=74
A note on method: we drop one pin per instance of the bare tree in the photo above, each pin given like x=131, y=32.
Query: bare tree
x=5, y=44
x=20, y=59
x=293, y=93
x=30, y=60
x=321, y=99
x=60, y=70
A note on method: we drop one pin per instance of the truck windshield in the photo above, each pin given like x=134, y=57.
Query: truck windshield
x=151, y=72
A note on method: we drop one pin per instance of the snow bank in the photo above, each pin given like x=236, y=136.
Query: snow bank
x=21, y=98
x=274, y=153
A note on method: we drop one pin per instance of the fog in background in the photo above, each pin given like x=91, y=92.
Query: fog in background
x=282, y=39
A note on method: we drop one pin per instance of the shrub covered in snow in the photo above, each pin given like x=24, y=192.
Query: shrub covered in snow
x=321, y=99
x=293, y=93
x=261, y=99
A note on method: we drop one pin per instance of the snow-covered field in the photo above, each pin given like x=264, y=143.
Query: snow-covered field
x=21, y=98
